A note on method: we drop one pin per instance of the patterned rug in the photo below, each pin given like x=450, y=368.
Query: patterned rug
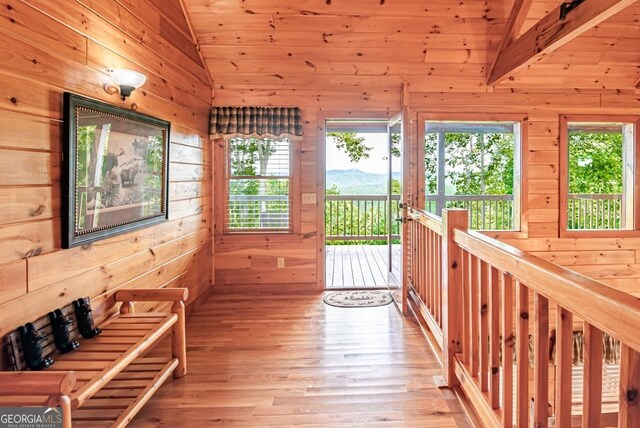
x=358, y=299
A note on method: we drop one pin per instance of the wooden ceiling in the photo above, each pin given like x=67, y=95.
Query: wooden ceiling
x=372, y=45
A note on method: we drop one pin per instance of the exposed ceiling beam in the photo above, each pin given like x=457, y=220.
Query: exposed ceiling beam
x=550, y=33
x=519, y=13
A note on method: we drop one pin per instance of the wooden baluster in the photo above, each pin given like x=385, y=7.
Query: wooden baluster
x=416, y=277
x=494, y=337
x=592, y=387
x=411, y=259
x=541, y=362
x=484, y=326
x=564, y=360
x=522, y=355
x=451, y=291
x=508, y=340
x=420, y=262
x=629, y=416
x=427, y=267
x=425, y=258
x=468, y=291
x=437, y=284
x=464, y=303
x=432, y=270
x=439, y=276
x=475, y=315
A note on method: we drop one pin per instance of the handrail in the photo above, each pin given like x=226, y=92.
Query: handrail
x=361, y=197
x=469, y=197
x=604, y=196
x=432, y=221
x=612, y=311
x=504, y=323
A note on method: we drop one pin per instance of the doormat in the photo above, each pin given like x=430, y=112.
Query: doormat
x=357, y=299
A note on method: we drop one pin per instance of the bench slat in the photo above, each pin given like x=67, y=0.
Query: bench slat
x=100, y=347
x=124, y=333
x=151, y=388
x=118, y=393
x=113, y=368
x=108, y=403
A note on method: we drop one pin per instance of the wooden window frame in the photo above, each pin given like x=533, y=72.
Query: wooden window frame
x=564, y=177
x=221, y=187
x=523, y=192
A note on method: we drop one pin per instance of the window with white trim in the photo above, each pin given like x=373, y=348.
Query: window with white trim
x=474, y=165
x=258, y=185
x=599, y=187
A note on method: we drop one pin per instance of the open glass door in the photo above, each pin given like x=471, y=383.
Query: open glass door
x=395, y=209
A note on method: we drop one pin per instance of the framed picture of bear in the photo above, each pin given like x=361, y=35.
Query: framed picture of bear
x=115, y=170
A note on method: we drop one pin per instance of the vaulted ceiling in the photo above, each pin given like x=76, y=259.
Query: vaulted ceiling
x=446, y=45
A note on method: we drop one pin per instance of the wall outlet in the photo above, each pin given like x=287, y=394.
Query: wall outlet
x=280, y=262
x=309, y=198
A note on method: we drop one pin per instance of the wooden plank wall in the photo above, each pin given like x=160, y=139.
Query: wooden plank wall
x=52, y=46
x=251, y=265
x=614, y=261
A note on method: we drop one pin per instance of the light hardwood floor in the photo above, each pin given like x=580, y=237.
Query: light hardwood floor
x=290, y=360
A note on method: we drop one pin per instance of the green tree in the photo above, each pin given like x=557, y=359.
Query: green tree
x=475, y=163
x=355, y=147
x=352, y=145
x=595, y=163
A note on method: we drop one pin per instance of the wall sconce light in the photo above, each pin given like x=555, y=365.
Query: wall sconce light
x=127, y=80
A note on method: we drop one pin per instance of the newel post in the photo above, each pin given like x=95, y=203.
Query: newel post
x=451, y=291
x=629, y=416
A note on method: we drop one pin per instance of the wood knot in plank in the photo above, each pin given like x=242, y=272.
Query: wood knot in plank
x=38, y=211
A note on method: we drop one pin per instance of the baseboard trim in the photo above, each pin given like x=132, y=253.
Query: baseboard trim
x=303, y=288
x=191, y=306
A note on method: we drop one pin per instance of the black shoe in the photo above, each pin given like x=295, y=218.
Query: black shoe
x=31, y=338
x=83, y=310
x=60, y=326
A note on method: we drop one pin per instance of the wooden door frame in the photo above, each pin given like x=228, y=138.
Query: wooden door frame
x=321, y=151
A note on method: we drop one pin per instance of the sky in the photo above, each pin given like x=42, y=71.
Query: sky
x=337, y=159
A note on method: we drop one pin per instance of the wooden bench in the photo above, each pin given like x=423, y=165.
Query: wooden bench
x=108, y=379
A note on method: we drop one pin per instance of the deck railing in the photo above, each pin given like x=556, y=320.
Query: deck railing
x=361, y=217
x=508, y=323
x=486, y=212
x=594, y=212
x=246, y=212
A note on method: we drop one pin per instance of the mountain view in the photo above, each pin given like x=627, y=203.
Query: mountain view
x=356, y=182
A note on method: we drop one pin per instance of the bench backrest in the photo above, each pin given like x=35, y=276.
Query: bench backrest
x=14, y=344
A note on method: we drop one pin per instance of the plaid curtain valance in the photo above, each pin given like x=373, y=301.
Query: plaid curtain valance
x=262, y=122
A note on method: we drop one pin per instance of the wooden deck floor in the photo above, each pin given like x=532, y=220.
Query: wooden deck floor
x=359, y=266
x=290, y=360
